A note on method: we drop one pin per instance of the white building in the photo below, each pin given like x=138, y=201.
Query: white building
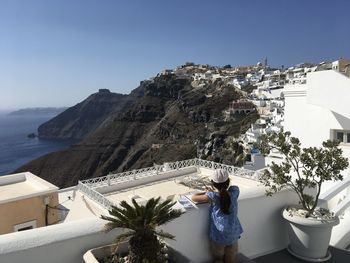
x=198, y=76
x=240, y=82
x=341, y=65
x=319, y=109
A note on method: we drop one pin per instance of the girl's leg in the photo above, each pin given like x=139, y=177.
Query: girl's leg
x=218, y=251
x=231, y=253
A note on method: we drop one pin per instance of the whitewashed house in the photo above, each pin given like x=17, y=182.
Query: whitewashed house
x=341, y=65
x=316, y=111
x=319, y=109
x=199, y=76
x=240, y=82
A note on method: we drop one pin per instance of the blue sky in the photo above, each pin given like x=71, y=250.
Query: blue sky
x=56, y=53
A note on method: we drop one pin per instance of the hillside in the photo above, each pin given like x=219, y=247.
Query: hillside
x=83, y=118
x=165, y=119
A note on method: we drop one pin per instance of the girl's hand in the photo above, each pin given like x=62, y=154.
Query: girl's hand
x=200, y=198
x=209, y=189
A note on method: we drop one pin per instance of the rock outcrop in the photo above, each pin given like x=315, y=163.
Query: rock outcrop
x=165, y=119
x=84, y=118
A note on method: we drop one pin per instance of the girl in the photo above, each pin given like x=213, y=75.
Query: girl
x=224, y=226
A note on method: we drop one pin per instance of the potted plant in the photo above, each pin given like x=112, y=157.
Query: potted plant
x=142, y=222
x=304, y=170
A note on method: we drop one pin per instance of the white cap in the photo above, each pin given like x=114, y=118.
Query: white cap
x=220, y=176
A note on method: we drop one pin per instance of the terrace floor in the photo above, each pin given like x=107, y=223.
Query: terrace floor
x=173, y=188
x=338, y=256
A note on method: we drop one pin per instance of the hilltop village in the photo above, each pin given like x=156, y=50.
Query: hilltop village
x=262, y=86
x=194, y=111
x=219, y=111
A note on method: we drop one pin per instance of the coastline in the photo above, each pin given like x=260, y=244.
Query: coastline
x=16, y=148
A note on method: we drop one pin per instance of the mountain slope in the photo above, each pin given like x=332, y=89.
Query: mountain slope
x=83, y=118
x=162, y=120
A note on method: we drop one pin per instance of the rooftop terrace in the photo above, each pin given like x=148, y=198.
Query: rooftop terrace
x=169, y=180
x=23, y=185
x=264, y=238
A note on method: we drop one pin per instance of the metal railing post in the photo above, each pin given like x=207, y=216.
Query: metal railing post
x=109, y=179
x=347, y=211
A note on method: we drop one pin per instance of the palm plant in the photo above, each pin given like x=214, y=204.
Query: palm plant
x=142, y=222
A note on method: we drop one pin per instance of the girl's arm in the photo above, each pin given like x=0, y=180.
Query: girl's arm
x=234, y=189
x=201, y=198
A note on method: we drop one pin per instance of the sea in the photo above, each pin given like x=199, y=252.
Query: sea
x=16, y=148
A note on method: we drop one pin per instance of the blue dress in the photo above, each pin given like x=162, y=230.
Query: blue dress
x=224, y=229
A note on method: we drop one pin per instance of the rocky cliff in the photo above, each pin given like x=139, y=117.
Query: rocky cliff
x=165, y=119
x=83, y=118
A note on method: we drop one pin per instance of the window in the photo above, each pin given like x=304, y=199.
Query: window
x=342, y=136
x=25, y=226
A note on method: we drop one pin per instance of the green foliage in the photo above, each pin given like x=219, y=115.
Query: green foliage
x=302, y=168
x=142, y=222
x=237, y=153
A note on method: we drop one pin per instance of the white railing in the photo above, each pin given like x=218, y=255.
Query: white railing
x=333, y=192
x=122, y=177
x=213, y=165
x=88, y=186
x=94, y=195
x=297, y=80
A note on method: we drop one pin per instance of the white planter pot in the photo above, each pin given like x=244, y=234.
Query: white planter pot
x=309, y=237
x=92, y=255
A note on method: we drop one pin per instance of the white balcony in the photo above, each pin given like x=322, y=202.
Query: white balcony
x=260, y=216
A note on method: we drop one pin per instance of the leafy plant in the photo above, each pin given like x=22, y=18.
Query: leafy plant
x=302, y=168
x=142, y=222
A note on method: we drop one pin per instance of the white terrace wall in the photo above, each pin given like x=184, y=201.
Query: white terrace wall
x=54, y=244
x=264, y=231
x=260, y=216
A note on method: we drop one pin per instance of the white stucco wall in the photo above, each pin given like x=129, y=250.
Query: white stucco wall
x=310, y=123
x=329, y=89
x=54, y=244
x=264, y=231
x=312, y=110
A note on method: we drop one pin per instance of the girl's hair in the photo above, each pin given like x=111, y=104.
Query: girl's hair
x=225, y=199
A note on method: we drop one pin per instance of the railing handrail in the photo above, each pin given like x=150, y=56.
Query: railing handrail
x=94, y=195
x=333, y=192
x=87, y=186
x=336, y=189
x=342, y=206
x=153, y=170
x=138, y=173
